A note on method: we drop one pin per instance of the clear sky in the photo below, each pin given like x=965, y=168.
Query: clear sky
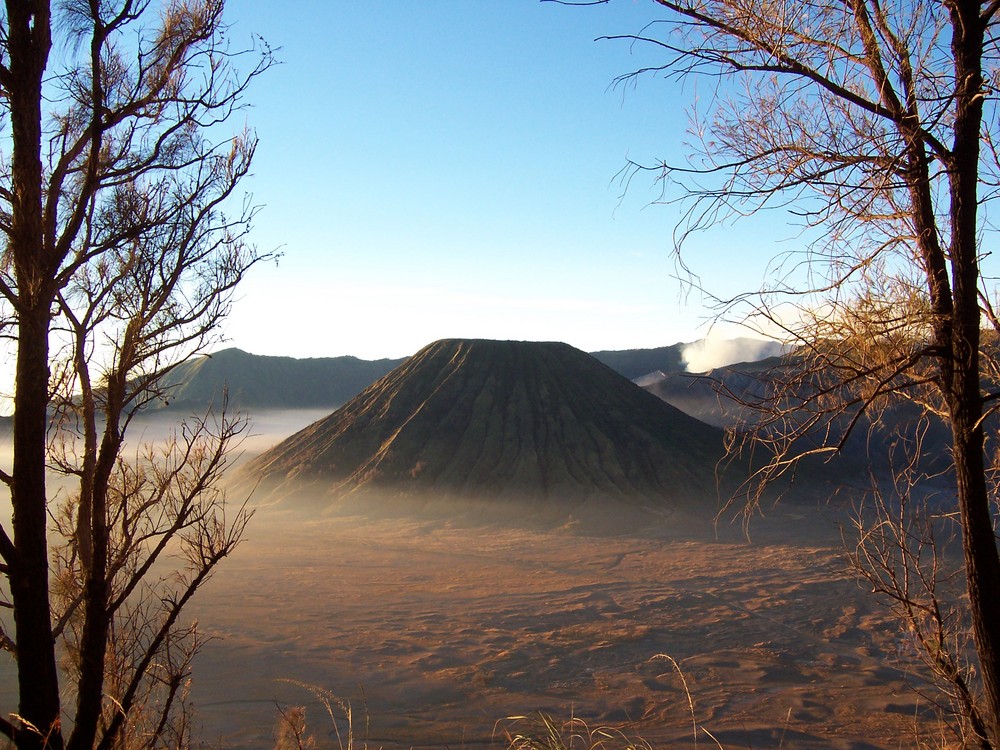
x=447, y=168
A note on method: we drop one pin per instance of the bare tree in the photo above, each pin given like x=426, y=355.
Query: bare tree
x=898, y=551
x=123, y=249
x=876, y=123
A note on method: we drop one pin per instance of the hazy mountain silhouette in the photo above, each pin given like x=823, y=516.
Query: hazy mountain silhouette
x=636, y=364
x=263, y=382
x=718, y=397
x=500, y=419
x=256, y=381
x=705, y=396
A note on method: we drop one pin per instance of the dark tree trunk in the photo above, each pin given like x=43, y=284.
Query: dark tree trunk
x=29, y=43
x=97, y=619
x=38, y=681
x=982, y=563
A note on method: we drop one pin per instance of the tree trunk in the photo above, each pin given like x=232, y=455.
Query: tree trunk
x=38, y=682
x=97, y=619
x=982, y=563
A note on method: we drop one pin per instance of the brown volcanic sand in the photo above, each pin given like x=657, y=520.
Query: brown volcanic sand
x=436, y=632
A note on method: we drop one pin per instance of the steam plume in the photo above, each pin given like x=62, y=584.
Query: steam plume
x=706, y=354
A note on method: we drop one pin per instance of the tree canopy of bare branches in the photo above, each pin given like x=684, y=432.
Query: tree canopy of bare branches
x=875, y=123
x=125, y=237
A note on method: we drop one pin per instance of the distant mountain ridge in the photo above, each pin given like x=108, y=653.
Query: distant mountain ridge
x=643, y=364
x=257, y=381
x=499, y=419
x=721, y=397
x=635, y=363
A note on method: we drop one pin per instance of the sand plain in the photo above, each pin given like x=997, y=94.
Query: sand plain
x=434, y=631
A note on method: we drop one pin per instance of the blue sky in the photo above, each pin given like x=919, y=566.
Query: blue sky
x=447, y=168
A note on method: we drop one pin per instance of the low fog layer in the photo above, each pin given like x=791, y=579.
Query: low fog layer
x=266, y=428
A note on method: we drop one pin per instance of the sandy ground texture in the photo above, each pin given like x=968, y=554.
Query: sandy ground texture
x=433, y=632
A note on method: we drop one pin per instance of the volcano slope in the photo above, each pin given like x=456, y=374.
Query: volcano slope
x=500, y=421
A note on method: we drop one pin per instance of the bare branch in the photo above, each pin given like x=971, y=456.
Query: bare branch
x=873, y=127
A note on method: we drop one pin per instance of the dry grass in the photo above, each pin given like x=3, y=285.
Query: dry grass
x=292, y=732
x=539, y=731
